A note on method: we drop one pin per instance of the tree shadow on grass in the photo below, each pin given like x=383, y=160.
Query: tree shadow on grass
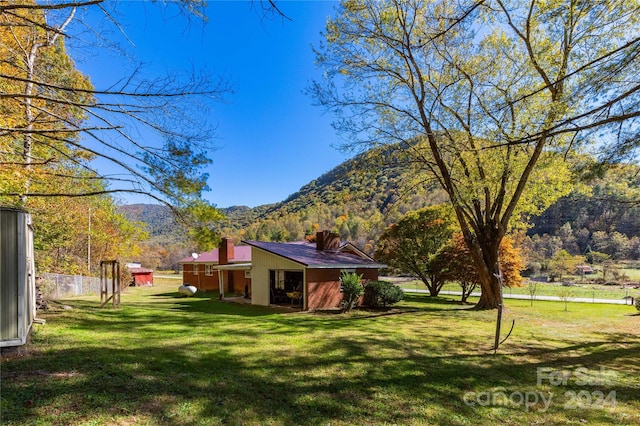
x=222, y=307
x=184, y=368
x=352, y=380
x=206, y=302
x=429, y=300
x=209, y=303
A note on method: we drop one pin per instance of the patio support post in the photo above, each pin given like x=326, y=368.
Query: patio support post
x=221, y=283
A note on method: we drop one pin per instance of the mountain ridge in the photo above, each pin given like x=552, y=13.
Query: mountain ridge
x=360, y=197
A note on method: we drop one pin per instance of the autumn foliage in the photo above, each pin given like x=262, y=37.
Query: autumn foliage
x=411, y=244
x=454, y=263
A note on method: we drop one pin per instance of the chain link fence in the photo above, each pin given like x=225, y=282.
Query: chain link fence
x=59, y=286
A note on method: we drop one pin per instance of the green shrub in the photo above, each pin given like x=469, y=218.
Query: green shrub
x=380, y=294
x=352, y=290
x=638, y=303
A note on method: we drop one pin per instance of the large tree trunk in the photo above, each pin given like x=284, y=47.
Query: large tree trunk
x=484, y=250
x=434, y=289
x=491, y=297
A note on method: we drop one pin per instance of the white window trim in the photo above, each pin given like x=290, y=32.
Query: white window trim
x=208, y=270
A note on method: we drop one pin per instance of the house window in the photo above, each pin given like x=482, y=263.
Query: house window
x=208, y=270
x=195, y=269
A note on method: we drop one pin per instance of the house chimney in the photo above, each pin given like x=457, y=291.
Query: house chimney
x=327, y=240
x=226, y=252
x=320, y=240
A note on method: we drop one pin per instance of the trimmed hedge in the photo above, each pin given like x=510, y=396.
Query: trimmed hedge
x=380, y=294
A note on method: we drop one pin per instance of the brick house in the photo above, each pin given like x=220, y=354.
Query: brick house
x=228, y=264
x=306, y=273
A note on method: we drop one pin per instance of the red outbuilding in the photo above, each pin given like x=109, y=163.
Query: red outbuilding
x=141, y=276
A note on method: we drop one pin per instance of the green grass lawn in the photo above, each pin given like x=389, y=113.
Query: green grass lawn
x=631, y=271
x=164, y=360
x=584, y=290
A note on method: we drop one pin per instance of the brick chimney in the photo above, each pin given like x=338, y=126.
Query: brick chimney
x=327, y=241
x=226, y=252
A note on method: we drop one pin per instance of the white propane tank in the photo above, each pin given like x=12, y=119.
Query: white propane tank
x=187, y=290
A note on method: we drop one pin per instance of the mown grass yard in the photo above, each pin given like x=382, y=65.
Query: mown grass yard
x=583, y=290
x=165, y=360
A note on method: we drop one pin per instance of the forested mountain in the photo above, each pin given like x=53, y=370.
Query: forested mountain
x=161, y=223
x=609, y=203
x=603, y=216
x=358, y=199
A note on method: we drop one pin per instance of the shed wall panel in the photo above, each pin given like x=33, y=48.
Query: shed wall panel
x=143, y=279
x=8, y=275
x=17, y=277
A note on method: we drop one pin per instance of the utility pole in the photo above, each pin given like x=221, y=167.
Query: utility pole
x=89, y=243
x=499, y=317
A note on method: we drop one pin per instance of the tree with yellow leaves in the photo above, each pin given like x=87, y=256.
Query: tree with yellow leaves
x=489, y=98
x=454, y=263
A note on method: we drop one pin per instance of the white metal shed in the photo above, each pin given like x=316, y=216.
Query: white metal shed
x=17, y=277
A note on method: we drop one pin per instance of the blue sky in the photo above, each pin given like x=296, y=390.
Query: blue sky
x=271, y=140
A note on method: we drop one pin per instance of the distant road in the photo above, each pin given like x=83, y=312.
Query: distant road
x=528, y=297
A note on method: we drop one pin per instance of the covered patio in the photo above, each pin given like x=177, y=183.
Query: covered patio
x=223, y=277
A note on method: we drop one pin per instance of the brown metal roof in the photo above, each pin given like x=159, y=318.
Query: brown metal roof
x=307, y=255
x=241, y=254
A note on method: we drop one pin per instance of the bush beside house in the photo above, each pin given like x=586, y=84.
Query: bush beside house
x=352, y=289
x=381, y=294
